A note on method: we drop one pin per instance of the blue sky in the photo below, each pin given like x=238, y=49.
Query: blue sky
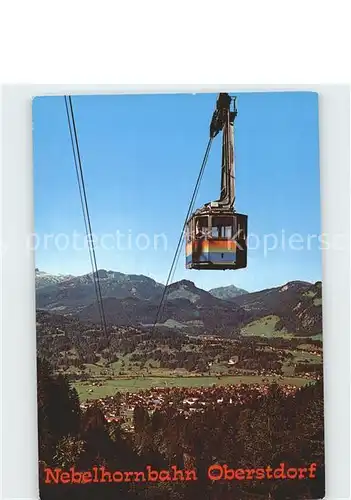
x=141, y=155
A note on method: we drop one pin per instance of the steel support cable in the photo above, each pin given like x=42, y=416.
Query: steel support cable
x=179, y=245
x=84, y=203
x=190, y=211
x=91, y=241
x=83, y=208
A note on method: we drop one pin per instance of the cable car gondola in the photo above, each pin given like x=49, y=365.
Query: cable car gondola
x=216, y=234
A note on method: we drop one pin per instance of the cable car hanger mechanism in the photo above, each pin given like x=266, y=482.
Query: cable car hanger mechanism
x=216, y=234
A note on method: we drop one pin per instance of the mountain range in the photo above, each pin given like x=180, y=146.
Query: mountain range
x=227, y=292
x=134, y=300
x=44, y=279
x=71, y=293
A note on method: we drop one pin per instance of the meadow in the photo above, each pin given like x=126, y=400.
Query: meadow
x=95, y=389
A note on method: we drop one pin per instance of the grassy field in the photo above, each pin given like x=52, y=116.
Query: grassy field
x=135, y=384
x=299, y=357
x=302, y=357
x=319, y=336
x=265, y=327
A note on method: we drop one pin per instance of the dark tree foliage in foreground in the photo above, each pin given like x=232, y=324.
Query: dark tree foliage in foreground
x=274, y=429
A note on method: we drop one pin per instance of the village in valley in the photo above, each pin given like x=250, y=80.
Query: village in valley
x=183, y=373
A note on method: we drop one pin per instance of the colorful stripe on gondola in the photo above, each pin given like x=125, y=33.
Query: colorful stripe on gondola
x=212, y=251
x=210, y=246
